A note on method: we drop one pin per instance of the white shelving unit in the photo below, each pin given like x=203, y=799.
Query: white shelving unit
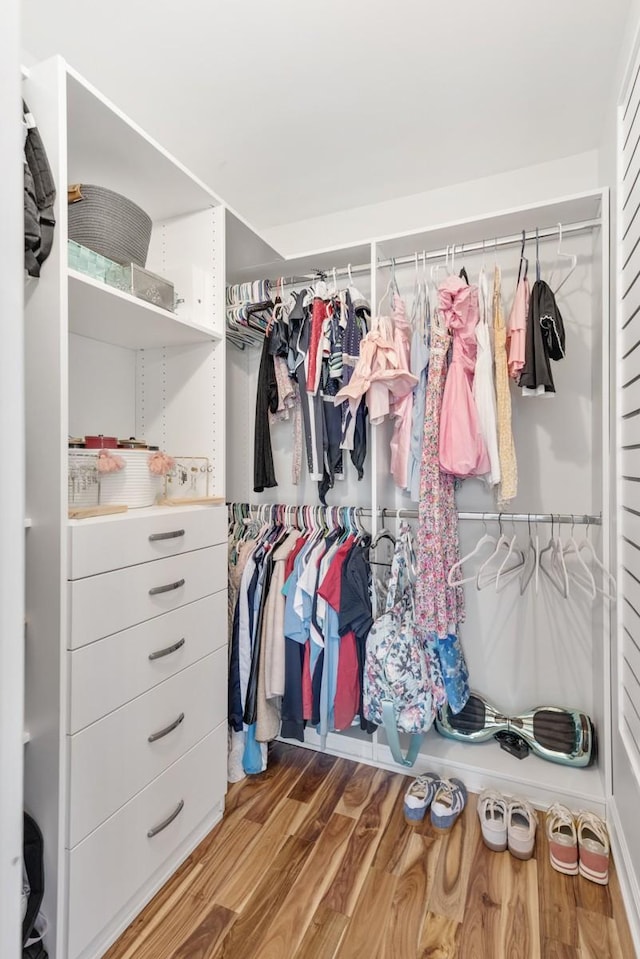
x=521, y=653
x=103, y=313
x=100, y=360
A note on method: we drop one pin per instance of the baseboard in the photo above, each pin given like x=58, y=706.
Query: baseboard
x=541, y=782
x=626, y=873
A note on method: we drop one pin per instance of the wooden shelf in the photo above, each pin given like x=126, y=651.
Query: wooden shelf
x=103, y=313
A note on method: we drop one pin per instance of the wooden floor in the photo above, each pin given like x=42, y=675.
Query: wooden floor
x=314, y=860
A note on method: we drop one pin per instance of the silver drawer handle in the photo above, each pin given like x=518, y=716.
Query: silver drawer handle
x=173, y=534
x=155, y=590
x=159, y=653
x=167, y=729
x=166, y=822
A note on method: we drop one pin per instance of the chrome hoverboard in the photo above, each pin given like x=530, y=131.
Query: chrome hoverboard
x=560, y=735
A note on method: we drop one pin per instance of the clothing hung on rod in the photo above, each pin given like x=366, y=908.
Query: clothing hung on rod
x=315, y=337
x=301, y=619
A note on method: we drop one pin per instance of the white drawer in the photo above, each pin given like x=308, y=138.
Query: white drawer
x=104, y=543
x=113, y=671
x=114, y=862
x=102, y=605
x=112, y=760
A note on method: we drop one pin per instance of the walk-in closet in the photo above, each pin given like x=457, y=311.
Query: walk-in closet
x=320, y=575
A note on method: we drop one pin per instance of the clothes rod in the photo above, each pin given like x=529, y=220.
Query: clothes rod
x=583, y=226
x=563, y=519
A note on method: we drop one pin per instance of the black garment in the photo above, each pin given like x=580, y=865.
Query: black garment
x=545, y=339
x=264, y=475
x=234, y=694
x=296, y=319
x=359, y=451
x=331, y=439
x=312, y=415
x=252, y=684
x=292, y=711
x=316, y=686
x=355, y=610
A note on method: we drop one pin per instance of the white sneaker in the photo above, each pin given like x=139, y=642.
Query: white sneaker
x=521, y=828
x=492, y=812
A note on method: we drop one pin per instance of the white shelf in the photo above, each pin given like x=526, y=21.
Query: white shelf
x=107, y=148
x=103, y=313
x=27, y=522
x=26, y=737
x=478, y=765
x=145, y=511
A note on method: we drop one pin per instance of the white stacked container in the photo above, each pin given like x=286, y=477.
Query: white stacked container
x=135, y=485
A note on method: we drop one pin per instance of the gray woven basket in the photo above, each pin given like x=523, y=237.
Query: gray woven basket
x=111, y=225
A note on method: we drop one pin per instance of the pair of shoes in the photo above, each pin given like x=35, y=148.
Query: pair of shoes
x=445, y=797
x=578, y=844
x=419, y=796
x=507, y=823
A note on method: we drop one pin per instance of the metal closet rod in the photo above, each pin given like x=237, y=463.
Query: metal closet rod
x=578, y=519
x=487, y=246
x=582, y=519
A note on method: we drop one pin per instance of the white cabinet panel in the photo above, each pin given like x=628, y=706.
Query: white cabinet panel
x=111, y=542
x=113, y=671
x=114, y=862
x=102, y=605
x=114, y=759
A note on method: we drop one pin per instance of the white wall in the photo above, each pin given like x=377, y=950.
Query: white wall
x=463, y=201
x=11, y=487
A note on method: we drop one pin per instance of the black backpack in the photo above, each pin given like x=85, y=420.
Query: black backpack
x=33, y=854
x=39, y=197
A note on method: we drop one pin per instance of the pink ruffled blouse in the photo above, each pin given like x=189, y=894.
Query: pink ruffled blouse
x=462, y=448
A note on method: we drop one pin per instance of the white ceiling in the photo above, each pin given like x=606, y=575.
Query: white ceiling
x=291, y=109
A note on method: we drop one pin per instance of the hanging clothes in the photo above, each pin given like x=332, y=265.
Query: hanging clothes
x=378, y=374
x=483, y=384
x=312, y=412
x=439, y=607
x=264, y=476
x=419, y=368
x=318, y=317
x=545, y=338
x=508, y=486
x=462, y=449
x=517, y=323
x=401, y=406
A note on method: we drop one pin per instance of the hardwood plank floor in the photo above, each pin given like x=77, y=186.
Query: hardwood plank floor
x=314, y=860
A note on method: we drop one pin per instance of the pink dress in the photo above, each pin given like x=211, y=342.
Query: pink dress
x=401, y=406
x=462, y=448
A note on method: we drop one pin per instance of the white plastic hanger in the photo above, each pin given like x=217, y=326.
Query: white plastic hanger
x=565, y=256
x=555, y=569
x=531, y=568
x=583, y=577
x=487, y=576
x=611, y=590
x=485, y=540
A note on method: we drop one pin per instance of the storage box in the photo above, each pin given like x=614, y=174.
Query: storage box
x=84, y=260
x=143, y=284
x=134, y=486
